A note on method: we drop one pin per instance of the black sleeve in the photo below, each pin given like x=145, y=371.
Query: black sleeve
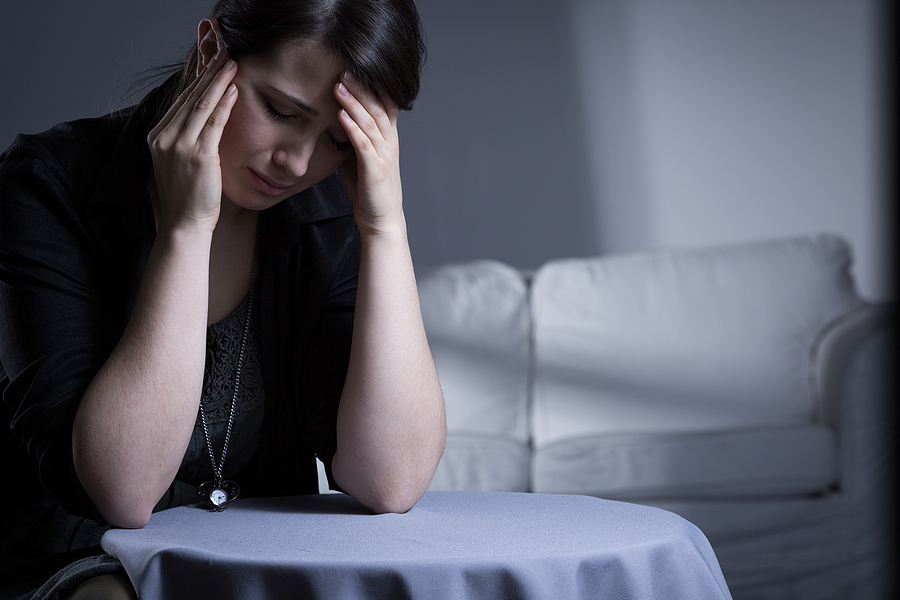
x=326, y=372
x=57, y=327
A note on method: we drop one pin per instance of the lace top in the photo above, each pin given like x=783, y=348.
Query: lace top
x=223, y=347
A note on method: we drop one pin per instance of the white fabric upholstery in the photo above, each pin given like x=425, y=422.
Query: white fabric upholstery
x=686, y=341
x=477, y=321
x=480, y=463
x=775, y=461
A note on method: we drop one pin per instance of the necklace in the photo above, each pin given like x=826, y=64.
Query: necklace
x=219, y=493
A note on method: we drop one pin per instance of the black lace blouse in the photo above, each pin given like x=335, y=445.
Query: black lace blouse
x=223, y=347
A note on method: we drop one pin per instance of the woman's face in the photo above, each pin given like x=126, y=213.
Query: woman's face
x=283, y=135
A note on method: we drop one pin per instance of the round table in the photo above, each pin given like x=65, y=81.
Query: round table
x=451, y=545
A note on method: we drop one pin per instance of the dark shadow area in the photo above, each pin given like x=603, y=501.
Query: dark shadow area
x=312, y=504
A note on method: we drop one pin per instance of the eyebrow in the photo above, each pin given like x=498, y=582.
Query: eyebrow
x=296, y=101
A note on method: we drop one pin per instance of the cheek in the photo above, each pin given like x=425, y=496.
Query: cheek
x=242, y=137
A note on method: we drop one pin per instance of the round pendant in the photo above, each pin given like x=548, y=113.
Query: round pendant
x=216, y=495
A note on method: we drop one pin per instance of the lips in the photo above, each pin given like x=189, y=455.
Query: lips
x=268, y=186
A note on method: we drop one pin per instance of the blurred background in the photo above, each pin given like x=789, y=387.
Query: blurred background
x=548, y=129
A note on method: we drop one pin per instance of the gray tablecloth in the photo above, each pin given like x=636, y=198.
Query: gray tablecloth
x=451, y=545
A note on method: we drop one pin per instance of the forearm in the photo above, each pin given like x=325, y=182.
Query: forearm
x=391, y=423
x=136, y=417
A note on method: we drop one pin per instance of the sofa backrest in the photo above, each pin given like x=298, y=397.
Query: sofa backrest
x=686, y=341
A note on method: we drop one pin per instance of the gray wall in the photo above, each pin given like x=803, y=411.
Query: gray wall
x=553, y=129
x=61, y=60
x=677, y=123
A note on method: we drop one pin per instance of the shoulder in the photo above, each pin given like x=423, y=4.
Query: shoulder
x=73, y=152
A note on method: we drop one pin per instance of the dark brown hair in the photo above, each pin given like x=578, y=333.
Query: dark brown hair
x=381, y=42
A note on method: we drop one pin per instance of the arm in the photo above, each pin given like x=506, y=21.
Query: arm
x=135, y=420
x=391, y=423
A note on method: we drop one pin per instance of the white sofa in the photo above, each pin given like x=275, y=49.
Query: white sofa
x=742, y=387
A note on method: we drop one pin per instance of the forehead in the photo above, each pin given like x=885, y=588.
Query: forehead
x=305, y=68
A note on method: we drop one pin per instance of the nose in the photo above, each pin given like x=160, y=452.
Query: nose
x=294, y=154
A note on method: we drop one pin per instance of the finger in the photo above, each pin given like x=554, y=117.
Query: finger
x=193, y=94
x=374, y=100
x=381, y=109
x=211, y=134
x=181, y=108
x=361, y=141
x=179, y=102
x=376, y=132
x=170, y=113
x=208, y=101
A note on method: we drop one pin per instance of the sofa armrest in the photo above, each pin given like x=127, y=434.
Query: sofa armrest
x=848, y=353
x=855, y=378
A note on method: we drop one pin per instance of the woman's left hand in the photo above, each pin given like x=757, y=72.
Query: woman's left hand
x=372, y=175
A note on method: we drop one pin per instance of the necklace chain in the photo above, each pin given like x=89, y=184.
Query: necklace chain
x=217, y=470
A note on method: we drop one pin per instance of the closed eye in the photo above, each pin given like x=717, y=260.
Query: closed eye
x=275, y=114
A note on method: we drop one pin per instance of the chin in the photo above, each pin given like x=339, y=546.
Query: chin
x=245, y=194
x=250, y=198
x=257, y=203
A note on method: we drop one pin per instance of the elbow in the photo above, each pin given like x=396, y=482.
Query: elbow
x=389, y=482
x=128, y=519
x=118, y=511
x=122, y=500
x=116, y=506
x=396, y=503
x=393, y=493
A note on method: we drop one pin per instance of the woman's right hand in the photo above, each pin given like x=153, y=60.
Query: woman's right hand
x=184, y=147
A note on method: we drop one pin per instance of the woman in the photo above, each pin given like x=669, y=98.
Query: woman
x=202, y=245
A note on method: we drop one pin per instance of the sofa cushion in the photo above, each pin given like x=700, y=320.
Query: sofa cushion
x=683, y=342
x=477, y=321
x=784, y=461
x=482, y=463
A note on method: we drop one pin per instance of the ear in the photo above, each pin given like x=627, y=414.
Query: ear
x=209, y=42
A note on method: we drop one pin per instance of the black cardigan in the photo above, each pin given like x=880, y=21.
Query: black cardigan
x=76, y=229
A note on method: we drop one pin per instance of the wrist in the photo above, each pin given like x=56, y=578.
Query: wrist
x=178, y=221
x=187, y=228
x=383, y=228
x=184, y=240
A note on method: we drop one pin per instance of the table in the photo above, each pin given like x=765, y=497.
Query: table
x=451, y=545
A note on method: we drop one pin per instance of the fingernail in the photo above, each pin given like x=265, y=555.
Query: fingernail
x=231, y=90
x=342, y=90
x=228, y=65
x=348, y=77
